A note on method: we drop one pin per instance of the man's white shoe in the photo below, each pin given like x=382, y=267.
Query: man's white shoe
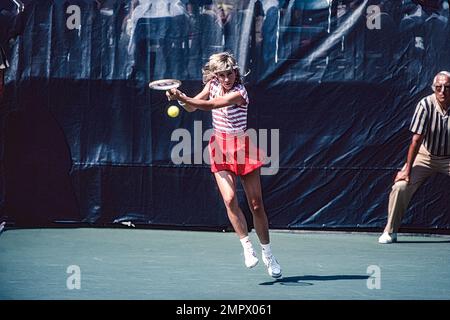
x=273, y=267
x=386, y=238
x=250, y=258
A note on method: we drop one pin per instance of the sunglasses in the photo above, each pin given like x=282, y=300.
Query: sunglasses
x=439, y=88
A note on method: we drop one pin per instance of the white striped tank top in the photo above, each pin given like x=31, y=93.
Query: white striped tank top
x=231, y=119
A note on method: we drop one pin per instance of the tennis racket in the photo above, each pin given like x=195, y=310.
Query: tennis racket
x=164, y=84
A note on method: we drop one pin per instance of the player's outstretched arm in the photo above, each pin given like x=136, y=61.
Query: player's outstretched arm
x=229, y=99
x=175, y=94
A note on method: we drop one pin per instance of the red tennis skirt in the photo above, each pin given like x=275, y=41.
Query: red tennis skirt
x=234, y=152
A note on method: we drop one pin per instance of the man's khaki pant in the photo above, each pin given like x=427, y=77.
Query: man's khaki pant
x=424, y=166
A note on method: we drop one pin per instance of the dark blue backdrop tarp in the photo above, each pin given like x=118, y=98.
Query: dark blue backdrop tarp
x=334, y=85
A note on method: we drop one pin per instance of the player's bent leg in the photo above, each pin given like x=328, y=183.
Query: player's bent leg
x=252, y=186
x=226, y=182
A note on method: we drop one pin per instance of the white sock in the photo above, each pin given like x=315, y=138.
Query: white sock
x=267, y=251
x=246, y=244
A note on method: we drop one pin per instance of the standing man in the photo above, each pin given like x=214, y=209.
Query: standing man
x=428, y=153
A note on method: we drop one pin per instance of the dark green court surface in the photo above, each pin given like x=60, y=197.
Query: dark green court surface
x=178, y=265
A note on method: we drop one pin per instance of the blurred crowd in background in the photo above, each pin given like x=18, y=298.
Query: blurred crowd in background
x=150, y=39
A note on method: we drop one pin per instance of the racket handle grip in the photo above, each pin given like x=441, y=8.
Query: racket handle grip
x=182, y=103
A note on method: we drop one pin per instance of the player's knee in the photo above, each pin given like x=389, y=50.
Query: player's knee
x=256, y=204
x=230, y=201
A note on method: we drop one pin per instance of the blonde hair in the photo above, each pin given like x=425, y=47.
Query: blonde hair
x=219, y=62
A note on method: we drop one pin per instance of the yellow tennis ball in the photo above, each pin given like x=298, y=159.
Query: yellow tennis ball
x=173, y=111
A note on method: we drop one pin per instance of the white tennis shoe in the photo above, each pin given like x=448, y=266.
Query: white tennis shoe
x=386, y=238
x=273, y=267
x=250, y=258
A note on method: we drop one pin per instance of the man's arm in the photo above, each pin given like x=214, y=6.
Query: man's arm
x=405, y=173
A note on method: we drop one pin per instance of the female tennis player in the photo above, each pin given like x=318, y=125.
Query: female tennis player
x=232, y=153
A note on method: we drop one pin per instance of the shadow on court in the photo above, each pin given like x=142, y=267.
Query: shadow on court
x=299, y=280
x=424, y=242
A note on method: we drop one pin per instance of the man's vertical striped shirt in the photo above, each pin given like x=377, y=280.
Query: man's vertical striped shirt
x=433, y=123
